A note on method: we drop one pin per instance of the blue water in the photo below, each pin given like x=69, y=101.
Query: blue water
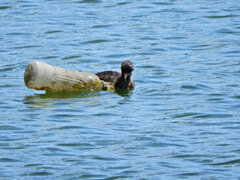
x=182, y=121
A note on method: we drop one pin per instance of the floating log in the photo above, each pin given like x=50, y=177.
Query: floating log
x=42, y=76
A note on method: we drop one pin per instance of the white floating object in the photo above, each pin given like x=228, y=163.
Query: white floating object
x=42, y=76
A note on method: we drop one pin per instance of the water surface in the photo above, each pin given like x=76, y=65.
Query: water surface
x=180, y=122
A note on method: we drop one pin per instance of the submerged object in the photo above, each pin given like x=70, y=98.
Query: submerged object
x=120, y=81
x=42, y=76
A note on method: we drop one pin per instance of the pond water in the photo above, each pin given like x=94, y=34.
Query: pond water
x=182, y=121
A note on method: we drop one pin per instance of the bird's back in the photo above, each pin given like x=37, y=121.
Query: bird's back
x=108, y=76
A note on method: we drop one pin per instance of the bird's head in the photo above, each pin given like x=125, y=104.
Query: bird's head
x=127, y=68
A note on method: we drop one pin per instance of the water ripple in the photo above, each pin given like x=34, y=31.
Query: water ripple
x=225, y=163
x=222, y=16
x=88, y=1
x=4, y=7
x=96, y=41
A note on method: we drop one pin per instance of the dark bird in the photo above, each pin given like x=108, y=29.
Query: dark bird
x=119, y=80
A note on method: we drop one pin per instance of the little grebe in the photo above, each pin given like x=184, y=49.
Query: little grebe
x=119, y=81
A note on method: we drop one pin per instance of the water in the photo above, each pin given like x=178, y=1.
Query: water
x=180, y=122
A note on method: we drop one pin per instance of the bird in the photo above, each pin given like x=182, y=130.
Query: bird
x=120, y=81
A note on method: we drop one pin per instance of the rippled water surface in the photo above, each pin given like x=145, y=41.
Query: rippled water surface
x=182, y=121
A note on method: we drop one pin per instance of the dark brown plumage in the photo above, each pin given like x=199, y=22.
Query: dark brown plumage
x=119, y=80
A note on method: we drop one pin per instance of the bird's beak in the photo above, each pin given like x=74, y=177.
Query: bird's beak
x=126, y=76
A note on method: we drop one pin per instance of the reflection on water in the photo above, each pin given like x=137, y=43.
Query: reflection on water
x=38, y=101
x=44, y=100
x=124, y=93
